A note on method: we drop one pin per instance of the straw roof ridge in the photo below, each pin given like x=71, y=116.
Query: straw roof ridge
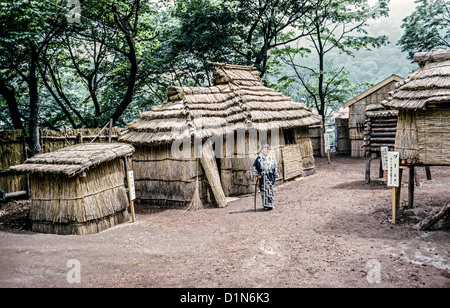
x=428, y=85
x=74, y=159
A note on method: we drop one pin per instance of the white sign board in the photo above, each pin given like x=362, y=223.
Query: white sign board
x=384, y=158
x=326, y=138
x=393, y=169
x=131, y=185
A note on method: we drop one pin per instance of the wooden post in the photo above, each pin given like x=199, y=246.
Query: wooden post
x=380, y=170
x=396, y=193
x=428, y=171
x=369, y=158
x=110, y=130
x=125, y=158
x=416, y=176
x=411, y=187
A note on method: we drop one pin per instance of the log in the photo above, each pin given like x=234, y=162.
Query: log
x=384, y=129
x=16, y=194
x=431, y=220
x=382, y=140
x=383, y=134
x=430, y=56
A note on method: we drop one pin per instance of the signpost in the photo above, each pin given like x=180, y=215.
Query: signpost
x=393, y=168
x=394, y=180
x=131, y=191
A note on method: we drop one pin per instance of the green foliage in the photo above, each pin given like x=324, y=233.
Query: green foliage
x=427, y=28
x=123, y=54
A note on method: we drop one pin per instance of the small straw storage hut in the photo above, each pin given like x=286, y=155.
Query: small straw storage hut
x=236, y=108
x=357, y=112
x=423, y=104
x=423, y=126
x=78, y=189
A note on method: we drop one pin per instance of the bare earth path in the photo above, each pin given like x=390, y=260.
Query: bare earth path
x=328, y=230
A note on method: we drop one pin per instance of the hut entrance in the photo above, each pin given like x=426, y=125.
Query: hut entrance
x=288, y=135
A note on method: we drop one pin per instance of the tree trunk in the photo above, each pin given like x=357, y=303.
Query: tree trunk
x=10, y=97
x=35, y=146
x=131, y=82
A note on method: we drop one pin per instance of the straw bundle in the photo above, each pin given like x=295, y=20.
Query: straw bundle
x=196, y=203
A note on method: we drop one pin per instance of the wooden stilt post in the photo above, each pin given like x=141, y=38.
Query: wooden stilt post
x=411, y=187
x=416, y=176
x=369, y=158
x=380, y=170
x=428, y=171
x=396, y=193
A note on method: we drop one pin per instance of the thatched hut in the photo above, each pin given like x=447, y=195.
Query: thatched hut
x=357, y=112
x=423, y=126
x=78, y=189
x=236, y=107
x=423, y=104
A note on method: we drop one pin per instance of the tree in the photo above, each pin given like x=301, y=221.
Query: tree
x=334, y=25
x=427, y=28
x=241, y=31
x=28, y=27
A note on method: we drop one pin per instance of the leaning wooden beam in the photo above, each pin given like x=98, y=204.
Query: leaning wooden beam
x=209, y=165
x=431, y=220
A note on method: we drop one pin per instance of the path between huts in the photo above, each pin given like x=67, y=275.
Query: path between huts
x=328, y=230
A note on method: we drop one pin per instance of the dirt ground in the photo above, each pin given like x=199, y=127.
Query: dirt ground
x=328, y=230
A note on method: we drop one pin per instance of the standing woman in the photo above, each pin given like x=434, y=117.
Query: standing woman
x=265, y=168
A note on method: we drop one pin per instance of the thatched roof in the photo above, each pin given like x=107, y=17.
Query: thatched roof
x=74, y=159
x=237, y=100
x=428, y=86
